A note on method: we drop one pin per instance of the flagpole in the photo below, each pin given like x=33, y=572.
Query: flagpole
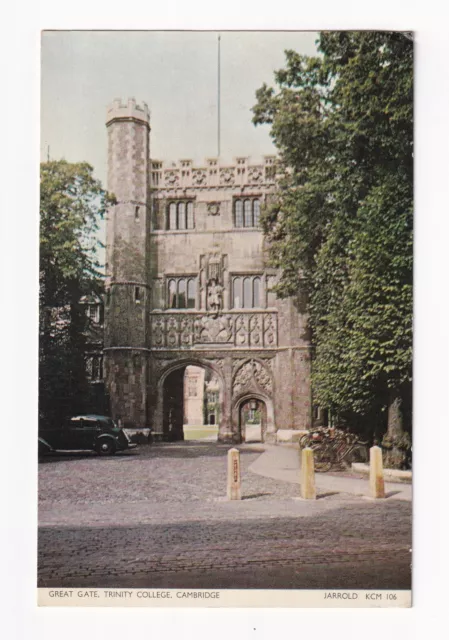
x=218, y=100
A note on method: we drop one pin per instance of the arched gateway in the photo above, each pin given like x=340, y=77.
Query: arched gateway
x=188, y=285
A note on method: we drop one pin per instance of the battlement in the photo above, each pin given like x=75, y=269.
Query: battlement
x=129, y=111
x=187, y=163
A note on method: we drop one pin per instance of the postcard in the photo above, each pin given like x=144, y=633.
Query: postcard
x=225, y=319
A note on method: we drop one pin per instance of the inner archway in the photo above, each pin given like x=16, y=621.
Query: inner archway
x=253, y=420
x=192, y=403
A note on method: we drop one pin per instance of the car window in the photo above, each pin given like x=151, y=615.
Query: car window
x=90, y=424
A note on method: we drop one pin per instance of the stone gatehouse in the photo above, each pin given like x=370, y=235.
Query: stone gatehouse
x=188, y=284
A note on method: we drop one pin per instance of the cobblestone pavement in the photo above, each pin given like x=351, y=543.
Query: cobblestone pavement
x=156, y=518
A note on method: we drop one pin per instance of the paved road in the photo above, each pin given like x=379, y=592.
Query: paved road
x=157, y=518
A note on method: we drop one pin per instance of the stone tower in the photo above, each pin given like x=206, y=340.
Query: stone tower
x=127, y=255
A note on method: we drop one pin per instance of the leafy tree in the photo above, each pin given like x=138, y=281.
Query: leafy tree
x=72, y=202
x=340, y=226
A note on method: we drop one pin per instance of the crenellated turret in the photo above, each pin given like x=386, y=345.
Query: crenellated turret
x=127, y=256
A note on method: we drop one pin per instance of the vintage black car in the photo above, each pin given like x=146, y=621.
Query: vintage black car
x=85, y=433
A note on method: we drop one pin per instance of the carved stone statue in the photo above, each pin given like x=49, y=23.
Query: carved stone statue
x=214, y=296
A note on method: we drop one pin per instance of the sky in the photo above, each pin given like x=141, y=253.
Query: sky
x=175, y=73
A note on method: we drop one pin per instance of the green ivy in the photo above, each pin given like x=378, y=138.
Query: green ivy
x=341, y=224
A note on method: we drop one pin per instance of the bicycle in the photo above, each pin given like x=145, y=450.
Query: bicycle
x=339, y=454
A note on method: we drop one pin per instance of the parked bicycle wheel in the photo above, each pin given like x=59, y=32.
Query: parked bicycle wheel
x=304, y=441
x=324, y=458
x=359, y=453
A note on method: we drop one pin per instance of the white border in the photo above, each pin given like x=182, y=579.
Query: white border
x=19, y=108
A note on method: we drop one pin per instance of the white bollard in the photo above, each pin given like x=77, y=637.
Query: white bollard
x=308, y=489
x=234, y=489
x=376, y=473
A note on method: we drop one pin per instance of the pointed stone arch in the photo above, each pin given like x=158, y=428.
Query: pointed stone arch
x=269, y=429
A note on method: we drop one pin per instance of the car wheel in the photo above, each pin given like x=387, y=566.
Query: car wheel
x=105, y=447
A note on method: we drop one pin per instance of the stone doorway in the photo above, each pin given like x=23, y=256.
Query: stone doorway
x=253, y=420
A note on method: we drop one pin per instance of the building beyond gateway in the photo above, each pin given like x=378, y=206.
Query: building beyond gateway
x=188, y=284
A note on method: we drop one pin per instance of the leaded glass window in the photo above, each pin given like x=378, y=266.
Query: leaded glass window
x=237, y=293
x=182, y=293
x=191, y=293
x=190, y=216
x=256, y=212
x=247, y=293
x=172, y=302
x=182, y=215
x=172, y=216
x=256, y=293
x=238, y=213
x=248, y=214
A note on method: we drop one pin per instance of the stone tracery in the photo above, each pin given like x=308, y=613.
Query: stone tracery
x=249, y=372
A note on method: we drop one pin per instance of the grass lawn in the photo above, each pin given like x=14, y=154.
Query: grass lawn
x=199, y=432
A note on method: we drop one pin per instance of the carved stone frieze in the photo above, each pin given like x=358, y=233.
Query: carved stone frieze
x=270, y=330
x=158, y=331
x=186, y=331
x=199, y=177
x=216, y=329
x=227, y=176
x=241, y=330
x=248, y=330
x=255, y=175
x=172, y=178
x=172, y=331
x=255, y=331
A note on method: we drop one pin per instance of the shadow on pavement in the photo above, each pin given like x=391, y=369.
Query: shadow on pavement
x=327, y=494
